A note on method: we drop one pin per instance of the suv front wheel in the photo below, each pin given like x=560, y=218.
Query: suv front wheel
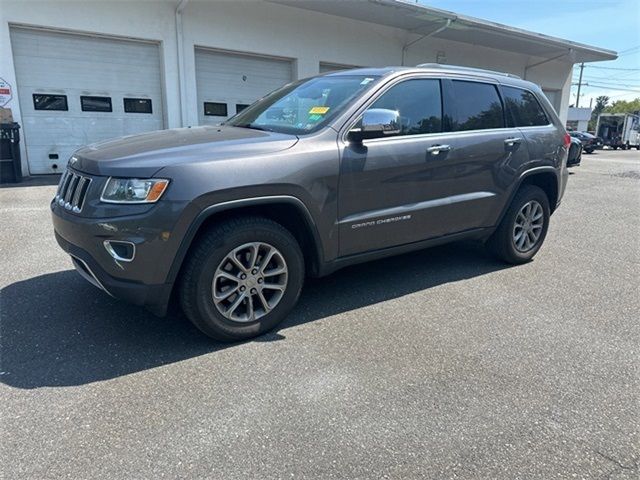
x=523, y=228
x=242, y=278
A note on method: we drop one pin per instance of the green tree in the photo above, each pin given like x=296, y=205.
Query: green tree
x=601, y=104
x=624, y=106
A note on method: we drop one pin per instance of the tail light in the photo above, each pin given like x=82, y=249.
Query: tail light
x=567, y=140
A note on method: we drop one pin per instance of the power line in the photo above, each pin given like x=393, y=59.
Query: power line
x=610, y=87
x=610, y=82
x=629, y=51
x=614, y=76
x=613, y=68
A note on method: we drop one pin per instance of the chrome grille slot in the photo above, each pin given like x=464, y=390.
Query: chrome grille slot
x=72, y=191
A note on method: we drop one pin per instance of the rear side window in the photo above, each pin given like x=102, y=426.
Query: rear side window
x=419, y=103
x=524, y=108
x=477, y=106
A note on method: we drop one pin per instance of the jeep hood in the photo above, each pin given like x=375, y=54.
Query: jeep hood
x=143, y=155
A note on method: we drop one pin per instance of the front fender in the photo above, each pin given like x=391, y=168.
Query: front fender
x=211, y=210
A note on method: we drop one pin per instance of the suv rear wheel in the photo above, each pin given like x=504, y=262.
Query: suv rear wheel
x=523, y=228
x=242, y=278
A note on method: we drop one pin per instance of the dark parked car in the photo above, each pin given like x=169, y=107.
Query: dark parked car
x=590, y=143
x=575, y=153
x=323, y=173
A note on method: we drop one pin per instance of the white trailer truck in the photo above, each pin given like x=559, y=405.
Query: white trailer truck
x=619, y=130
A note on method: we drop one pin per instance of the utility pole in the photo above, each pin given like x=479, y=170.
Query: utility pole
x=579, y=85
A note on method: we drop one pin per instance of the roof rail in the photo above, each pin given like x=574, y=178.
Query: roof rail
x=466, y=69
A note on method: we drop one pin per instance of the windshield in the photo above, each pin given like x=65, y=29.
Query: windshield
x=305, y=106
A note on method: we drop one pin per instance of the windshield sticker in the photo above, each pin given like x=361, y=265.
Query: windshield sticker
x=318, y=110
x=315, y=118
x=366, y=80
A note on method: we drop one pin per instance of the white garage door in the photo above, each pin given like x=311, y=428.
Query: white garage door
x=228, y=82
x=77, y=89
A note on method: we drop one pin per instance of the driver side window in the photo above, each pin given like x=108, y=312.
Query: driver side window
x=419, y=104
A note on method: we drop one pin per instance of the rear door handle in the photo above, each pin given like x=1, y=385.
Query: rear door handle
x=510, y=142
x=436, y=149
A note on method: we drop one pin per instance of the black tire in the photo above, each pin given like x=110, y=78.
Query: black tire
x=502, y=243
x=205, y=257
x=589, y=151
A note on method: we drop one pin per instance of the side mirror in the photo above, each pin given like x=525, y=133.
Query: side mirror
x=376, y=122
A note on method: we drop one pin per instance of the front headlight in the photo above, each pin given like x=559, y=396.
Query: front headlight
x=133, y=190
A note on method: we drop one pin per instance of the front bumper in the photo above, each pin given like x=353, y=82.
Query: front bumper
x=143, y=281
x=153, y=297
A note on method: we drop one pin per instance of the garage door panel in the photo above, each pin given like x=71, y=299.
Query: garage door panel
x=82, y=75
x=234, y=79
x=39, y=161
x=75, y=66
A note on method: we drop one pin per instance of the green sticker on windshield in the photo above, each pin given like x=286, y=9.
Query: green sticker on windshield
x=314, y=118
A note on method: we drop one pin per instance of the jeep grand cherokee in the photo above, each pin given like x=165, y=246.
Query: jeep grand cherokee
x=325, y=172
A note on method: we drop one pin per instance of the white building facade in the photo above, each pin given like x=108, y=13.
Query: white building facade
x=578, y=118
x=84, y=71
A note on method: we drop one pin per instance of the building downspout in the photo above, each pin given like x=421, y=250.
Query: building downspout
x=406, y=46
x=181, y=69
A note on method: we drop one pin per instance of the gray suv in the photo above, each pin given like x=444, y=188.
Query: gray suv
x=323, y=173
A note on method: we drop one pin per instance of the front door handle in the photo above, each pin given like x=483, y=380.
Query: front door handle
x=436, y=149
x=510, y=142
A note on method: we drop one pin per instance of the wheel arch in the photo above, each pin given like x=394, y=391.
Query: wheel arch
x=289, y=211
x=545, y=178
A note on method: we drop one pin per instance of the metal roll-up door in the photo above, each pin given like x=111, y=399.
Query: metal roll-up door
x=228, y=82
x=78, y=89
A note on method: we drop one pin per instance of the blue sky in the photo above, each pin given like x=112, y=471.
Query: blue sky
x=611, y=24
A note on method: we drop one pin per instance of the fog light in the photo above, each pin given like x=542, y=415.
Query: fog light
x=120, y=250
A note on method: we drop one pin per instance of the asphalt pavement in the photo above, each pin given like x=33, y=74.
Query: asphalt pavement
x=438, y=364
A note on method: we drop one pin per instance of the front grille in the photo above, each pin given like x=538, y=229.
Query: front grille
x=72, y=191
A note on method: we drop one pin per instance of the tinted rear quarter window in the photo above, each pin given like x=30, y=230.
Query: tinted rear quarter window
x=419, y=104
x=477, y=106
x=524, y=108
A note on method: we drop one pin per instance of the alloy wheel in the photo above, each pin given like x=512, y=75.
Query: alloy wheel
x=528, y=226
x=249, y=282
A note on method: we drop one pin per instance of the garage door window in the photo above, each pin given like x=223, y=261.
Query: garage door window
x=240, y=107
x=215, y=109
x=95, y=104
x=137, y=105
x=50, y=102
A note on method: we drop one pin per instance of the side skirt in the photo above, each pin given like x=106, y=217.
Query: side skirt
x=341, y=262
